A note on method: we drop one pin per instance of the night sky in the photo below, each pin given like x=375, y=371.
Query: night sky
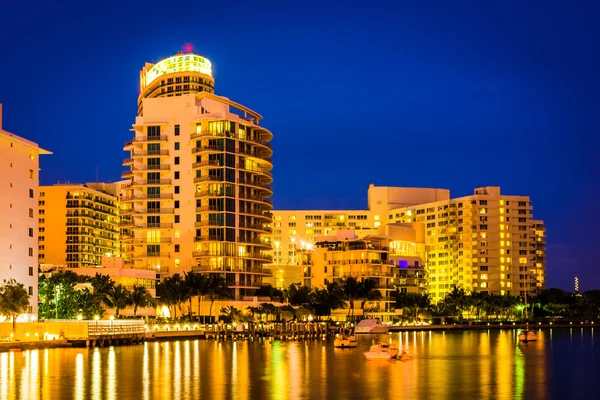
x=444, y=94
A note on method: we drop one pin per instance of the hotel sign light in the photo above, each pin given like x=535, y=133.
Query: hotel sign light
x=179, y=63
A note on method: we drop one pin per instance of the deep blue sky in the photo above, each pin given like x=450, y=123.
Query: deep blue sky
x=427, y=93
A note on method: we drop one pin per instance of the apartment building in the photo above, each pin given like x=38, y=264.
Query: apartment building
x=19, y=179
x=484, y=242
x=78, y=225
x=199, y=179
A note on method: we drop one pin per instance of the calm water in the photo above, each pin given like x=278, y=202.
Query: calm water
x=457, y=365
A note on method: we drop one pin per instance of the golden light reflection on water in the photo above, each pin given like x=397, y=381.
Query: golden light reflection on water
x=4, y=383
x=79, y=377
x=449, y=365
x=177, y=370
x=146, y=373
x=111, y=379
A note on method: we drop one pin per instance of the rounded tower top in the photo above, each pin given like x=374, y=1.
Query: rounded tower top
x=180, y=74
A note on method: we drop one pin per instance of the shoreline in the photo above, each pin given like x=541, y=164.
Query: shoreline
x=201, y=335
x=488, y=326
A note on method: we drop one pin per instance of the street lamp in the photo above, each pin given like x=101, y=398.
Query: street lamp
x=112, y=317
x=96, y=317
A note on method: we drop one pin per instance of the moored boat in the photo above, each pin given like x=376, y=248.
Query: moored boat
x=345, y=340
x=381, y=351
x=371, y=326
x=527, y=335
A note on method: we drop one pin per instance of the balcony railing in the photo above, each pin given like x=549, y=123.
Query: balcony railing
x=144, y=182
x=156, y=167
x=208, y=238
x=199, y=224
x=252, y=241
x=152, y=255
x=208, y=208
x=160, y=196
x=142, y=139
x=161, y=225
x=206, y=178
x=255, y=255
x=244, y=225
x=153, y=241
x=150, y=153
x=207, y=163
x=254, y=183
x=207, y=148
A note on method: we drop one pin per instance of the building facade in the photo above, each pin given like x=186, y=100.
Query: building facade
x=19, y=177
x=485, y=242
x=199, y=180
x=78, y=225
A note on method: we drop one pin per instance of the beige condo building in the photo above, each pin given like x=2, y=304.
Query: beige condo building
x=199, y=179
x=19, y=178
x=484, y=242
x=78, y=225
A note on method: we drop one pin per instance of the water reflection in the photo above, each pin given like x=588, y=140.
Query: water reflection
x=445, y=365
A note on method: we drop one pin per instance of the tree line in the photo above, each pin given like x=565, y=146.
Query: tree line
x=463, y=304
x=61, y=299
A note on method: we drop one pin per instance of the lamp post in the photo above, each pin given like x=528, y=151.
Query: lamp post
x=112, y=317
x=96, y=317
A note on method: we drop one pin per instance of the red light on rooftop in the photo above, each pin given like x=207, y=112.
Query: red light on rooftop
x=187, y=48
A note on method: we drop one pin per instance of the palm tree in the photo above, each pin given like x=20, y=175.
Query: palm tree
x=216, y=288
x=268, y=309
x=232, y=314
x=14, y=300
x=172, y=292
x=352, y=290
x=368, y=292
x=119, y=298
x=298, y=295
x=456, y=301
x=140, y=298
x=102, y=285
x=198, y=286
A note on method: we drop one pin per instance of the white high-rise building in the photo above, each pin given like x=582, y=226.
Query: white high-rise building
x=19, y=181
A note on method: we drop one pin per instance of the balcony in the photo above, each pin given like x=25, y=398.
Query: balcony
x=253, y=212
x=200, y=224
x=208, y=163
x=208, y=178
x=259, y=170
x=152, y=255
x=153, y=211
x=258, y=198
x=144, y=139
x=156, y=167
x=216, y=193
x=259, y=227
x=161, y=225
x=255, y=184
x=247, y=270
x=152, y=182
x=207, y=148
x=209, y=208
x=150, y=153
x=143, y=197
x=254, y=255
x=255, y=241
x=209, y=238
x=153, y=241
x=206, y=134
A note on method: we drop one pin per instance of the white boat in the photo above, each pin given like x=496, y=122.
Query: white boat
x=381, y=351
x=371, y=326
x=345, y=340
x=527, y=335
